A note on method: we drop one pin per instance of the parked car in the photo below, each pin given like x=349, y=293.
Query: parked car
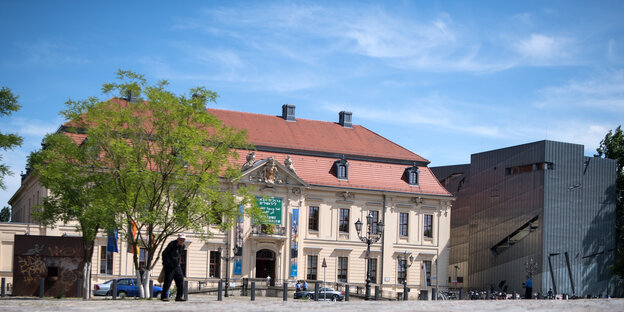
x=126, y=287
x=324, y=292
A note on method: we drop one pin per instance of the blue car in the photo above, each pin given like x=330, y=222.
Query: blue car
x=126, y=287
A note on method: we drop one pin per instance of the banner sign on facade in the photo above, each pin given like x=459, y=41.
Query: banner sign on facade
x=294, y=242
x=272, y=208
x=238, y=244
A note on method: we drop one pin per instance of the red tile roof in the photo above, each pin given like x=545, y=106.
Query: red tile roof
x=365, y=175
x=314, y=135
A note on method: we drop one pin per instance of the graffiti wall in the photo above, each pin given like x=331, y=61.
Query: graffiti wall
x=58, y=260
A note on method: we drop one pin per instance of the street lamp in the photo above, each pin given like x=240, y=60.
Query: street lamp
x=369, y=238
x=227, y=259
x=406, y=266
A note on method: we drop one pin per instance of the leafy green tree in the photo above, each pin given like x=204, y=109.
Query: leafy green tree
x=8, y=105
x=612, y=146
x=167, y=158
x=79, y=194
x=5, y=214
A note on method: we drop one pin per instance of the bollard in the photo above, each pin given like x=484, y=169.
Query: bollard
x=461, y=293
x=79, y=288
x=245, y=286
x=3, y=287
x=220, y=291
x=114, y=290
x=253, y=291
x=346, y=292
x=41, y=287
x=376, y=292
x=186, y=290
x=434, y=293
x=405, y=291
x=150, y=293
x=285, y=291
x=316, y=291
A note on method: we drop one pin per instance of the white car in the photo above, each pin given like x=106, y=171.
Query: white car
x=103, y=289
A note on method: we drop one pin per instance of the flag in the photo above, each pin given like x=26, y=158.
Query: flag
x=133, y=232
x=111, y=245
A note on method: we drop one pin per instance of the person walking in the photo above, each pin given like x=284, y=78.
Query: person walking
x=528, y=286
x=173, y=271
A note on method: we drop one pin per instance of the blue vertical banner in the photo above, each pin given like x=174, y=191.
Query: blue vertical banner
x=238, y=244
x=294, y=242
x=111, y=245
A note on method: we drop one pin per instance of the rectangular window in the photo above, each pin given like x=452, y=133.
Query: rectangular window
x=375, y=215
x=428, y=228
x=428, y=272
x=142, y=257
x=344, y=221
x=215, y=264
x=342, y=172
x=106, y=261
x=402, y=272
x=372, y=264
x=313, y=218
x=343, y=263
x=312, y=262
x=403, y=220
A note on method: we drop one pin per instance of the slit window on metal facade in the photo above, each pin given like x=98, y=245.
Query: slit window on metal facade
x=312, y=264
x=516, y=236
x=344, y=220
x=313, y=218
x=343, y=264
x=428, y=226
x=529, y=167
x=372, y=264
x=403, y=223
x=215, y=264
x=402, y=273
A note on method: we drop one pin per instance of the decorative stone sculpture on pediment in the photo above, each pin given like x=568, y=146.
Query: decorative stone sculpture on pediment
x=346, y=195
x=251, y=159
x=288, y=163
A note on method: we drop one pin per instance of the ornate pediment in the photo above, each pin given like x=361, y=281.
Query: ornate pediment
x=271, y=172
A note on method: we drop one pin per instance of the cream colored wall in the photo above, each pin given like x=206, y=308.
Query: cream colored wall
x=30, y=194
x=326, y=243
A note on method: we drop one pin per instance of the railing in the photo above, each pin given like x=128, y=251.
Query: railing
x=268, y=230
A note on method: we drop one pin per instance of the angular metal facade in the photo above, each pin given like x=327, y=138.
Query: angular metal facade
x=572, y=199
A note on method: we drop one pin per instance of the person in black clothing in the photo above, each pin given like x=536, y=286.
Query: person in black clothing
x=173, y=271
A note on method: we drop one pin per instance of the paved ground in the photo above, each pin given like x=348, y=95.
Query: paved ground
x=209, y=303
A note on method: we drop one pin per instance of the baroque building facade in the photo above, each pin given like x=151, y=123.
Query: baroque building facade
x=314, y=180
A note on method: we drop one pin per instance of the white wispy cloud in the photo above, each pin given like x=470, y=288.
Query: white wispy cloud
x=543, y=47
x=603, y=92
x=434, y=110
x=52, y=53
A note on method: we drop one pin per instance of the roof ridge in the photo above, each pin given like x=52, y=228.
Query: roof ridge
x=278, y=116
x=394, y=143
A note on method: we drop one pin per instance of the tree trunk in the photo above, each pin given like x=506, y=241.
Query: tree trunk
x=86, y=280
x=147, y=276
x=87, y=246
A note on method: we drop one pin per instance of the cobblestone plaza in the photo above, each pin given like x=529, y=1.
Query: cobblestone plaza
x=209, y=303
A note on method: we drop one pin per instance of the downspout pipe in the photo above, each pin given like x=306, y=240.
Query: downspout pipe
x=383, y=239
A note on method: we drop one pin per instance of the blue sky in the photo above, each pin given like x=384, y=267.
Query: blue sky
x=443, y=79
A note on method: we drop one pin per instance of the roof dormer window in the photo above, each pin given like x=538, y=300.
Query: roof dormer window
x=411, y=175
x=341, y=169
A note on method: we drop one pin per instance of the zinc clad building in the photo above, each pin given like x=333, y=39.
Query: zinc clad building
x=544, y=201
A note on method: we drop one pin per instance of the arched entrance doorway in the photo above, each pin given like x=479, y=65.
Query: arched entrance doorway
x=265, y=264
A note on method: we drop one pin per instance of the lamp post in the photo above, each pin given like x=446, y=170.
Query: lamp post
x=369, y=238
x=227, y=259
x=406, y=266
